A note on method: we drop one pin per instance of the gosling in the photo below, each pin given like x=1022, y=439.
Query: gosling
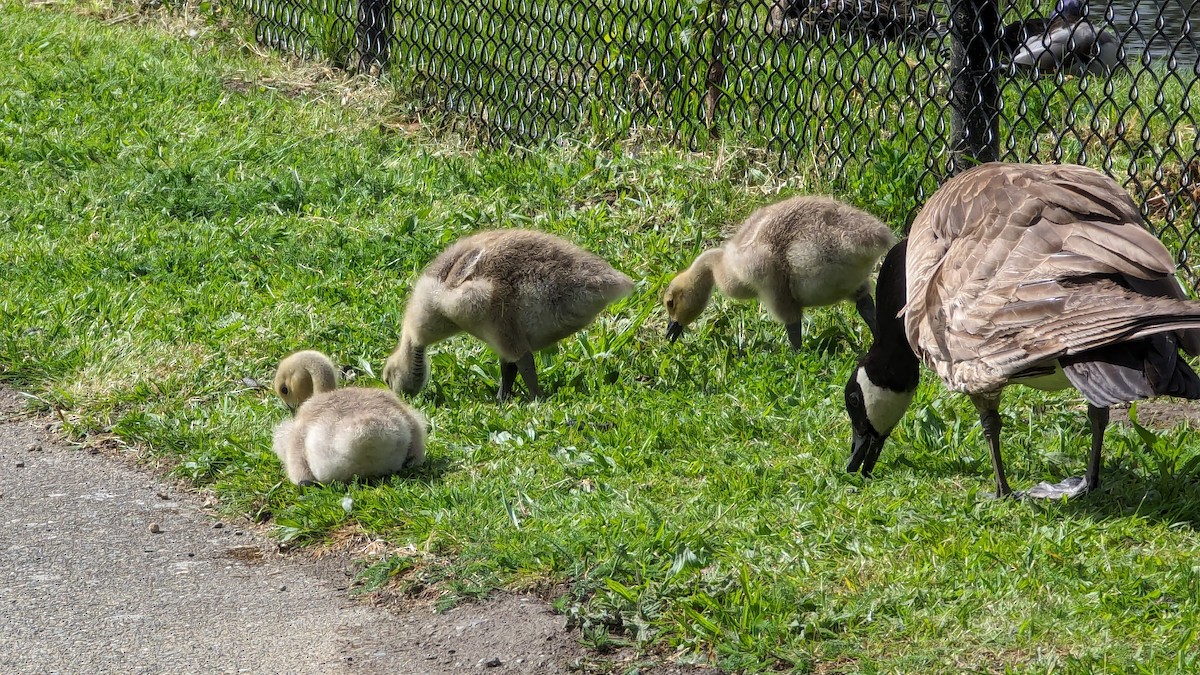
x=338, y=434
x=802, y=252
x=516, y=290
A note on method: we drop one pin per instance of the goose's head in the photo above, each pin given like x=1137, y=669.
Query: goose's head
x=1070, y=10
x=303, y=374
x=881, y=387
x=685, y=298
x=874, y=410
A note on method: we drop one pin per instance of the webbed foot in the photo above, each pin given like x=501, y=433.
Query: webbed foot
x=1070, y=488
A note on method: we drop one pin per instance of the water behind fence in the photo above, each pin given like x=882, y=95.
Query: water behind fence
x=899, y=92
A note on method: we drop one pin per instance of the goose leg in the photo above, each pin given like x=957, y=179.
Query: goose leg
x=1077, y=485
x=795, y=331
x=1098, y=417
x=528, y=372
x=866, y=307
x=989, y=419
x=508, y=375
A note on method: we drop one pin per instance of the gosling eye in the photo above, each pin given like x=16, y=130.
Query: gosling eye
x=670, y=304
x=283, y=390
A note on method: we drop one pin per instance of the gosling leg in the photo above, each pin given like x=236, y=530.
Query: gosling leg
x=528, y=371
x=989, y=419
x=866, y=307
x=1076, y=485
x=508, y=375
x=795, y=331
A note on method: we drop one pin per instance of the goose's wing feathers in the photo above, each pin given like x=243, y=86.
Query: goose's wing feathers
x=1010, y=266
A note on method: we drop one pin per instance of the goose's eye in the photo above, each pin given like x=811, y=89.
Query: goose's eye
x=670, y=304
x=283, y=390
x=854, y=399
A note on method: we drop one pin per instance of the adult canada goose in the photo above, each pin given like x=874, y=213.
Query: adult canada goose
x=517, y=290
x=1065, y=41
x=1037, y=275
x=337, y=434
x=801, y=252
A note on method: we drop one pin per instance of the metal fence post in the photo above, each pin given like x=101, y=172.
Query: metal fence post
x=714, y=78
x=373, y=33
x=974, y=84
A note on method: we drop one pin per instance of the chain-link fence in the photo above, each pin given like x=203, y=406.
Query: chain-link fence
x=906, y=90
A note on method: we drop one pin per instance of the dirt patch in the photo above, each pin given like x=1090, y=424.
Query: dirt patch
x=291, y=89
x=247, y=554
x=1166, y=414
x=507, y=634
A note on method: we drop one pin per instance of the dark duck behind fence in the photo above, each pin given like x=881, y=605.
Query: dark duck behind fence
x=902, y=20
x=1065, y=41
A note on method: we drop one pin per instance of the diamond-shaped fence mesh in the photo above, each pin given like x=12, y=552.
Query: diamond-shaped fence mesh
x=912, y=90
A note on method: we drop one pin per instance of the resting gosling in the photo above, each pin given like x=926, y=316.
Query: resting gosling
x=516, y=290
x=337, y=434
x=801, y=252
x=1025, y=274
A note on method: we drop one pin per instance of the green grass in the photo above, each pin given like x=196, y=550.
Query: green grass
x=180, y=214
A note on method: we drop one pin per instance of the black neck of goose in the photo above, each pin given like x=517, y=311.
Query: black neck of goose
x=890, y=362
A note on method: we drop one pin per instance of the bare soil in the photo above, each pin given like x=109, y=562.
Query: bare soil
x=1163, y=414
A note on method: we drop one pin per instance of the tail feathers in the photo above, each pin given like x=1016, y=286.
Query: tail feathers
x=1171, y=375
x=1132, y=371
x=1168, y=287
x=1189, y=340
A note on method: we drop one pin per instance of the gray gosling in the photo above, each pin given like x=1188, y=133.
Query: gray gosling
x=516, y=290
x=806, y=251
x=338, y=434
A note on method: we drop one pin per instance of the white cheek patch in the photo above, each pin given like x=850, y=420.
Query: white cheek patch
x=884, y=406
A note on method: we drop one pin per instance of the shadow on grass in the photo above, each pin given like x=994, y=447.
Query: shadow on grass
x=1168, y=497
x=429, y=472
x=1160, y=493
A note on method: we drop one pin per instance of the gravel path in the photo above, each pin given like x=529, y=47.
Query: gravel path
x=104, y=568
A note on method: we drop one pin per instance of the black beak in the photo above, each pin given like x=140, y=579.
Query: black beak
x=864, y=452
x=674, y=330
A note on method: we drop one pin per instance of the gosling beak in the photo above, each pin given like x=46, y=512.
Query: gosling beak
x=674, y=330
x=864, y=451
x=292, y=410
